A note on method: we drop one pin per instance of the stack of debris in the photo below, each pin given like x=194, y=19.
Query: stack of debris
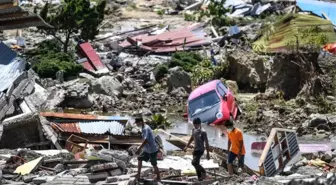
x=20, y=97
x=186, y=38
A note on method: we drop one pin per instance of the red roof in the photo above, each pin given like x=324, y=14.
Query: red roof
x=94, y=60
x=174, y=40
x=67, y=127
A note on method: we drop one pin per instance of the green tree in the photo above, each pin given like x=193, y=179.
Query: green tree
x=73, y=17
x=217, y=12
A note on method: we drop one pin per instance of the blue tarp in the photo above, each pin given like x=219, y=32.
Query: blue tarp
x=319, y=7
x=6, y=54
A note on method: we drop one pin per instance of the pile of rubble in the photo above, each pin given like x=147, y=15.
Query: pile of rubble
x=92, y=166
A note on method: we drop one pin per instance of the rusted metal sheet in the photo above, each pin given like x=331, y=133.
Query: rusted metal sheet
x=79, y=117
x=68, y=115
x=86, y=50
x=175, y=40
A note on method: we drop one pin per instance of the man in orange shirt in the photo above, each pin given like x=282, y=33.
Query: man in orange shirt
x=235, y=146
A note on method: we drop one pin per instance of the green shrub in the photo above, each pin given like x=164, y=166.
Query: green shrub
x=159, y=121
x=48, y=68
x=205, y=71
x=47, y=62
x=189, y=17
x=160, y=13
x=160, y=71
x=187, y=60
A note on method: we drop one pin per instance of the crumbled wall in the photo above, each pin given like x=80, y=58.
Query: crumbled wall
x=20, y=132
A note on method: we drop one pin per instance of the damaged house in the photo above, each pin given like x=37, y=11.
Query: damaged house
x=20, y=96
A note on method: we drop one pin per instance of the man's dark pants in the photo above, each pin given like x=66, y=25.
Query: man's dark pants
x=196, y=163
x=152, y=157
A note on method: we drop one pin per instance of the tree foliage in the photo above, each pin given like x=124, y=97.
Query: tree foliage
x=71, y=18
x=159, y=121
x=217, y=12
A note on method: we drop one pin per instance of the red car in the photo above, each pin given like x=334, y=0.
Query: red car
x=213, y=103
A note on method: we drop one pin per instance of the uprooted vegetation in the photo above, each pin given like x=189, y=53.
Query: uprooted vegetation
x=201, y=68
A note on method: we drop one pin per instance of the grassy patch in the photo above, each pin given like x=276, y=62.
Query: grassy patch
x=295, y=30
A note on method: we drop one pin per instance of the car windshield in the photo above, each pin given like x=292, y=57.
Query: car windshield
x=203, y=103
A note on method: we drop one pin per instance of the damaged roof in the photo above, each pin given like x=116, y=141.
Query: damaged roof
x=6, y=1
x=92, y=61
x=94, y=127
x=175, y=40
x=6, y=54
x=10, y=72
x=71, y=116
x=15, y=18
x=282, y=33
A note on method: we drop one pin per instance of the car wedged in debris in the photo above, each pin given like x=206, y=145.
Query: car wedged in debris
x=213, y=103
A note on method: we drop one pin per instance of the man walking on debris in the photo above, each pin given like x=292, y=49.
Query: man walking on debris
x=235, y=145
x=200, y=137
x=150, y=148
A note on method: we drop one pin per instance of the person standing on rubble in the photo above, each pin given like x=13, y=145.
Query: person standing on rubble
x=200, y=137
x=235, y=145
x=150, y=148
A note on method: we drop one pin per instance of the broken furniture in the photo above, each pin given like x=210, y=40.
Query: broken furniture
x=281, y=147
x=74, y=146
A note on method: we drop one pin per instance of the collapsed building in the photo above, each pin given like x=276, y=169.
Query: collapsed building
x=20, y=96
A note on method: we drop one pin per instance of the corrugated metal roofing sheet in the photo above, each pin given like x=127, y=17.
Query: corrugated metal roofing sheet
x=83, y=116
x=68, y=115
x=92, y=56
x=94, y=127
x=10, y=72
x=6, y=1
x=6, y=54
x=11, y=10
x=174, y=40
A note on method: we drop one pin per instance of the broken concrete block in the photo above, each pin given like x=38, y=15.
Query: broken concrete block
x=120, y=178
x=59, y=167
x=28, y=178
x=95, y=177
x=327, y=157
x=40, y=180
x=29, y=166
x=103, y=167
x=115, y=172
x=111, y=179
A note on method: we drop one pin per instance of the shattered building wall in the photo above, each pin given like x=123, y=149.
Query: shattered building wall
x=20, y=132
